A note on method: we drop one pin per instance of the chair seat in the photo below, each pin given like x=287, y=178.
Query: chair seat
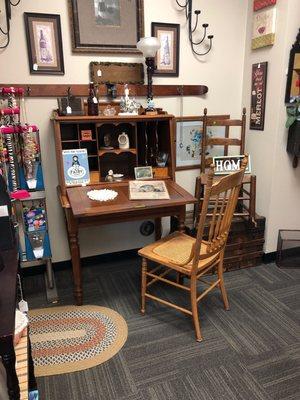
x=174, y=251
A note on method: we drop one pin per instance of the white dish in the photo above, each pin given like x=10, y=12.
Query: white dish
x=118, y=176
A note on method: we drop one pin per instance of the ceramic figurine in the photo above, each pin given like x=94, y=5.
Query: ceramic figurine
x=128, y=106
x=110, y=176
x=123, y=140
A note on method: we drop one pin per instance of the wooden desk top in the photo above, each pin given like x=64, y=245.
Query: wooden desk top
x=82, y=206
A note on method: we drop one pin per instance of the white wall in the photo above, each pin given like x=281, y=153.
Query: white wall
x=221, y=71
x=278, y=184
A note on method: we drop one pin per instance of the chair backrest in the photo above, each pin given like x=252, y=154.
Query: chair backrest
x=222, y=141
x=219, y=203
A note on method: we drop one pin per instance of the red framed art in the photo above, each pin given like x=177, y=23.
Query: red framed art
x=259, y=4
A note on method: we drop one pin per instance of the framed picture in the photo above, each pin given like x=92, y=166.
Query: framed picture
x=44, y=43
x=293, y=79
x=148, y=190
x=258, y=96
x=263, y=33
x=143, y=172
x=189, y=132
x=167, y=57
x=106, y=26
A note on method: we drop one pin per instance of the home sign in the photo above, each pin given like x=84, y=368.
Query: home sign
x=226, y=164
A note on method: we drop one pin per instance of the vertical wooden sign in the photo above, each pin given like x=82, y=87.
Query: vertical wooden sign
x=258, y=96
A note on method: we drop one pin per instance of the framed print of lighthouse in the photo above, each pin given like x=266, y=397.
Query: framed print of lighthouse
x=45, y=52
x=167, y=57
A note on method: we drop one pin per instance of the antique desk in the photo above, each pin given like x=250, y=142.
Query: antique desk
x=82, y=212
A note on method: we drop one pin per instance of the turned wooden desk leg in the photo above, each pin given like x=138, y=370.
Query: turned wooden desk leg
x=75, y=255
x=181, y=228
x=181, y=220
x=158, y=228
x=9, y=363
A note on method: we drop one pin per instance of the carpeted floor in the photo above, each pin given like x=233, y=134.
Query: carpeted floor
x=251, y=352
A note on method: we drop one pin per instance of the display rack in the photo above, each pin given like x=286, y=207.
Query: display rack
x=20, y=163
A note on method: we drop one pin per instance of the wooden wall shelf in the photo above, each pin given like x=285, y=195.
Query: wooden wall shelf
x=53, y=90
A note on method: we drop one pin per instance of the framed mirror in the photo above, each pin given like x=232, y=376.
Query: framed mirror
x=293, y=78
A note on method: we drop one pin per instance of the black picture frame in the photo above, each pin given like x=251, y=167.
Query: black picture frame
x=293, y=73
x=46, y=59
x=159, y=29
x=85, y=25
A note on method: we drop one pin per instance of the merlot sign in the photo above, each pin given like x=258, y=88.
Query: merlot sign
x=258, y=96
x=226, y=164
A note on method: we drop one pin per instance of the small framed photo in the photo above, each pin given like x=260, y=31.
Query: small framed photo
x=44, y=43
x=167, y=57
x=143, y=173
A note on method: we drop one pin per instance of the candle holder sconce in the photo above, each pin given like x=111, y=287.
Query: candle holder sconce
x=188, y=8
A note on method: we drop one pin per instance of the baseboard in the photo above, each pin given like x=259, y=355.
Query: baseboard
x=92, y=260
x=269, y=257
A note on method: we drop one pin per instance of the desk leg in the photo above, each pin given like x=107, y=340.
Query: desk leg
x=9, y=362
x=181, y=219
x=158, y=228
x=75, y=255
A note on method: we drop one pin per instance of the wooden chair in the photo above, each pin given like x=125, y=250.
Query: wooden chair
x=247, y=198
x=194, y=257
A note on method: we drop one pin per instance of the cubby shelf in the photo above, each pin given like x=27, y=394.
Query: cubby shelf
x=147, y=135
x=116, y=151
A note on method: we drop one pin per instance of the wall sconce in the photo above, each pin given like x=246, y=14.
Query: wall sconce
x=188, y=7
x=149, y=46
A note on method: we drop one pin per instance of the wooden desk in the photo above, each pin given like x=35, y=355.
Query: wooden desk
x=82, y=212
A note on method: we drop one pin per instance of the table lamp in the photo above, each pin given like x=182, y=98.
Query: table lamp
x=149, y=46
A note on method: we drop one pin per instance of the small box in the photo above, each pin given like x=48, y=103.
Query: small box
x=288, y=248
x=86, y=134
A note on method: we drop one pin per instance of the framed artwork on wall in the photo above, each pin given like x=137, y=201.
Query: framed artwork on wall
x=263, y=33
x=259, y=4
x=167, y=57
x=44, y=43
x=258, y=96
x=106, y=26
x=293, y=79
x=189, y=131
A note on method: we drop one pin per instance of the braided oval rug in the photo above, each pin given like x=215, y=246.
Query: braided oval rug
x=69, y=339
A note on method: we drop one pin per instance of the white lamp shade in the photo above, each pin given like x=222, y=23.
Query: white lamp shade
x=148, y=46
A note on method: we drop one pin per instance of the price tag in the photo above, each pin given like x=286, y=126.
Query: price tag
x=3, y=211
x=69, y=110
x=35, y=67
x=95, y=100
x=23, y=306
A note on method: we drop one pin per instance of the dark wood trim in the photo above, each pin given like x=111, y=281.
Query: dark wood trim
x=86, y=261
x=269, y=257
x=61, y=90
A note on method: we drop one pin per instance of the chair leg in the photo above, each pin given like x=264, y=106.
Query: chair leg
x=222, y=285
x=143, y=285
x=194, y=307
